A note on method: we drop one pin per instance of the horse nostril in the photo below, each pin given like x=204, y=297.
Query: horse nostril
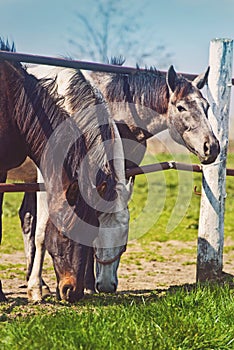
x=206, y=148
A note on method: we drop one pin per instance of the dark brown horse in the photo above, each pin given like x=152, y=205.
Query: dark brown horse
x=77, y=166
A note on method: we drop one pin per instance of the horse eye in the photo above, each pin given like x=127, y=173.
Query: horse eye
x=181, y=108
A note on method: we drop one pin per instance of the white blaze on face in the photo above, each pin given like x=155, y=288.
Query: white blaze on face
x=113, y=230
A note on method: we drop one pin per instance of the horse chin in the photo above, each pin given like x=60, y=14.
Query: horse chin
x=207, y=160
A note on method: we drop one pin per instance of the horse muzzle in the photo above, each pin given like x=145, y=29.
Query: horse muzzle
x=211, y=152
x=67, y=291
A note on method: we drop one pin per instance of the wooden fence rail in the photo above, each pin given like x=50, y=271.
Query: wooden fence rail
x=144, y=169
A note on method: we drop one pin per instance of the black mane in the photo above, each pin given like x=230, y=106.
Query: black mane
x=5, y=46
x=139, y=87
x=92, y=116
x=81, y=94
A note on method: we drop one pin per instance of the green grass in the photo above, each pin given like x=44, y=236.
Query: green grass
x=171, y=210
x=199, y=318
x=12, y=236
x=163, y=207
x=180, y=318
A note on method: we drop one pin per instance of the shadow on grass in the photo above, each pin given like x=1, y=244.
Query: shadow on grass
x=20, y=306
x=147, y=295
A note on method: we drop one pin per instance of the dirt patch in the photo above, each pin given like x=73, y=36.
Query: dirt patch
x=173, y=265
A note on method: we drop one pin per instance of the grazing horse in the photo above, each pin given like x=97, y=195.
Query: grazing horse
x=148, y=102
x=78, y=166
x=113, y=230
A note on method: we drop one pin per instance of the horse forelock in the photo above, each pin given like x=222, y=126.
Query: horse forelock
x=183, y=88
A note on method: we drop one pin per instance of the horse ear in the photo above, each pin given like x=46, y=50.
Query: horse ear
x=171, y=79
x=72, y=193
x=201, y=79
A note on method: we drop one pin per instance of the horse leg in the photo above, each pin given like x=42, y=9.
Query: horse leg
x=36, y=286
x=27, y=214
x=28, y=218
x=2, y=179
x=89, y=282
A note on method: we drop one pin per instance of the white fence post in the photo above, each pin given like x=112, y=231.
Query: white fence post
x=211, y=221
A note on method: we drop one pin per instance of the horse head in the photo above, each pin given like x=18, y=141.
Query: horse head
x=112, y=240
x=187, y=116
x=114, y=226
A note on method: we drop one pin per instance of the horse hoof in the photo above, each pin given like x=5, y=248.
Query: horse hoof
x=89, y=291
x=34, y=295
x=2, y=298
x=45, y=291
x=2, y=295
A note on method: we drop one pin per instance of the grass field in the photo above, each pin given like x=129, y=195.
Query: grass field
x=193, y=317
x=199, y=318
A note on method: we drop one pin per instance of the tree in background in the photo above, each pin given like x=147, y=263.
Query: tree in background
x=113, y=28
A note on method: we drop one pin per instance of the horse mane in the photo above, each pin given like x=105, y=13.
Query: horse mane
x=5, y=46
x=41, y=93
x=117, y=60
x=92, y=116
x=38, y=111
x=139, y=88
x=40, y=105
x=81, y=94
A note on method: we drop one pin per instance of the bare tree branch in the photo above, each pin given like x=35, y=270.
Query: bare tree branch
x=115, y=31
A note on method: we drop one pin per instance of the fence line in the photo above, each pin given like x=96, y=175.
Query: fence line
x=144, y=169
x=77, y=64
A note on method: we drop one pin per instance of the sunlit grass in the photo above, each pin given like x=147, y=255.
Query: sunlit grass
x=173, y=207
x=163, y=207
x=12, y=236
x=200, y=317
x=181, y=318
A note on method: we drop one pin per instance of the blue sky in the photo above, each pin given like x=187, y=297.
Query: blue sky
x=184, y=27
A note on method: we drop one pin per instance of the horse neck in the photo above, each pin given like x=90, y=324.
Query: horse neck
x=90, y=112
x=37, y=116
x=142, y=120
